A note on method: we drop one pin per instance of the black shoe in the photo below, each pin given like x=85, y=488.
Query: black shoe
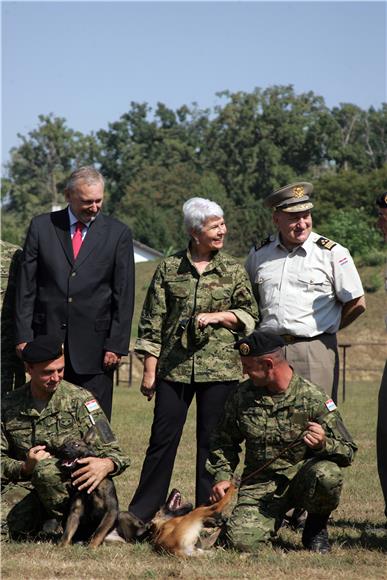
x=315, y=534
x=130, y=527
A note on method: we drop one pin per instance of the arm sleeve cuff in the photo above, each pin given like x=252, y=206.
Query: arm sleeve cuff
x=145, y=346
x=246, y=319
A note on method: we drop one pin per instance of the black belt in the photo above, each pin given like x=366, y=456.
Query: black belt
x=290, y=339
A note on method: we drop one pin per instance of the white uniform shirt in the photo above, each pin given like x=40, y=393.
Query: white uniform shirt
x=302, y=292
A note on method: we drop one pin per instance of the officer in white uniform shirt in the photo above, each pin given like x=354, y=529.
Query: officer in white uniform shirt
x=307, y=287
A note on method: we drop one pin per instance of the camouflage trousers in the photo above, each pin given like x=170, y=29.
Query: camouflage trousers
x=49, y=499
x=261, y=507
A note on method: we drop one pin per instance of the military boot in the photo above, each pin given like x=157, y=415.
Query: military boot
x=315, y=534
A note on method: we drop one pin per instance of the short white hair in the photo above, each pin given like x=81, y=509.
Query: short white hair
x=197, y=210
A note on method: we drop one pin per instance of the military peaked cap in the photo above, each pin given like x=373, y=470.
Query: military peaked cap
x=381, y=200
x=291, y=198
x=43, y=347
x=259, y=343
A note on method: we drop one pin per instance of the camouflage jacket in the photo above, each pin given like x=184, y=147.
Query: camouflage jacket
x=268, y=424
x=70, y=412
x=178, y=293
x=12, y=368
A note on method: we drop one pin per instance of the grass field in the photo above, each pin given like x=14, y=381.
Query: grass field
x=357, y=533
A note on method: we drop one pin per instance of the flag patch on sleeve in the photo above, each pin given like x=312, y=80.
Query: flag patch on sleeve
x=93, y=405
x=343, y=261
x=330, y=405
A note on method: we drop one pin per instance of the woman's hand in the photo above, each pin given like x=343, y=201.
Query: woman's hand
x=226, y=319
x=148, y=385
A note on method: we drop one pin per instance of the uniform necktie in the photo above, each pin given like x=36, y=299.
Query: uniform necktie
x=77, y=238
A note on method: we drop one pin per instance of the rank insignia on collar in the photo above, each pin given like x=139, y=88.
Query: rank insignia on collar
x=298, y=191
x=325, y=243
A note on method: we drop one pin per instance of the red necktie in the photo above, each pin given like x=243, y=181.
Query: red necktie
x=77, y=238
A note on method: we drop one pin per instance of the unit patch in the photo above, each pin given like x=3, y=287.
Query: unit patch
x=92, y=405
x=330, y=405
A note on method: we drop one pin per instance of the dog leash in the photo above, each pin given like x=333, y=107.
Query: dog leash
x=292, y=445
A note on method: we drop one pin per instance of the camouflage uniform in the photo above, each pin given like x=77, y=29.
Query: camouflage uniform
x=302, y=477
x=12, y=368
x=191, y=363
x=70, y=412
x=178, y=293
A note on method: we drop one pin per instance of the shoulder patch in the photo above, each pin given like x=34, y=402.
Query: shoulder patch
x=326, y=243
x=264, y=242
x=92, y=405
x=330, y=405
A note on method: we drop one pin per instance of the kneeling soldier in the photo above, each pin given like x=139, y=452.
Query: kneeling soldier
x=36, y=419
x=296, y=444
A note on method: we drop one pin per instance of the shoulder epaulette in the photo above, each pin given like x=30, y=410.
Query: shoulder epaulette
x=259, y=245
x=325, y=243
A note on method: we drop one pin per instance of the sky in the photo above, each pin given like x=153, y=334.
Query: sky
x=86, y=61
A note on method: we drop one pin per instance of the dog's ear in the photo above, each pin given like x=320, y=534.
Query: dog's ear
x=90, y=436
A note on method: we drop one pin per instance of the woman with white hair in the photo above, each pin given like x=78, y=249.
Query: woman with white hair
x=199, y=302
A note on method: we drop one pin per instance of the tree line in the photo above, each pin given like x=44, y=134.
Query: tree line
x=236, y=153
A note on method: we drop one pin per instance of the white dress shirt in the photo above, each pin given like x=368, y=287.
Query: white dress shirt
x=301, y=292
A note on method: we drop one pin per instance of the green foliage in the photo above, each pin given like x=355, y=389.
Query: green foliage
x=352, y=228
x=372, y=282
x=237, y=153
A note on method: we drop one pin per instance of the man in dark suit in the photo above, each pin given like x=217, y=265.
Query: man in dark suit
x=76, y=281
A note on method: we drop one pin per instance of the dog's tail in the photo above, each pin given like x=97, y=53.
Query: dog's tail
x=219, y=506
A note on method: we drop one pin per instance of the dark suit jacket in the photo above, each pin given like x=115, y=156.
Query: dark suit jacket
x=90, y=299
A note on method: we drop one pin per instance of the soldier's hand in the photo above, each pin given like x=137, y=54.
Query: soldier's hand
x=219, y=490
x=19, y=348
x=94, y=470
x=315, y=437
x=34, y=455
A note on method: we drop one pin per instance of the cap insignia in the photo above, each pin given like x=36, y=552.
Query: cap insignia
x=298, y=191
x=244, y=348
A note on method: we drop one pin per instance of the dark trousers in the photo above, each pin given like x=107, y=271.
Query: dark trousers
x=100, y=385
x=381, y=436
x=171, y=408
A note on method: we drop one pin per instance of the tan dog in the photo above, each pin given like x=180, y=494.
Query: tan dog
x=176, y=531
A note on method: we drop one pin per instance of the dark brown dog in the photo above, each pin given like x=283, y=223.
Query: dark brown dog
x=176, y=531
x=96, y=511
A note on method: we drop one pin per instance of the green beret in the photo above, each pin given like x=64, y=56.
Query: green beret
x=381, y=201
x=291, y=198
x=43, y=348
x=259, y=343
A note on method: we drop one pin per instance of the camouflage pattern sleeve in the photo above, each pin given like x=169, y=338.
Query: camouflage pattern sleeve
x=10, y=468
x=243, y=302
x=151, y=321
x=12, y=368
x=225, y=443
x=90, y=414
x=339, y=446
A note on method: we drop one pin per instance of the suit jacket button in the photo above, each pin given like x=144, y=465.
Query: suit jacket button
x=70, y=300
x=73, y=273
x=63, y=325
